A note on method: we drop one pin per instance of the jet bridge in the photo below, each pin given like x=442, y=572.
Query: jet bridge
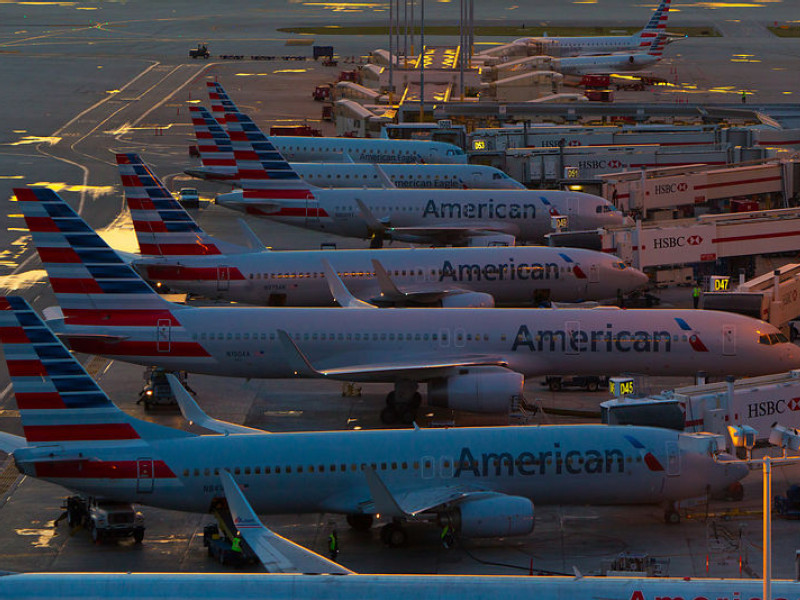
x=773, y=297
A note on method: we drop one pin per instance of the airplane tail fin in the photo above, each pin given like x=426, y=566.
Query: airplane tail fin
x=58, y=401
x=657, y=24
x=92, y=284
x=213, y=142
x=221, y=103
x=657, y=46
x=263, y=172
x=163, y=227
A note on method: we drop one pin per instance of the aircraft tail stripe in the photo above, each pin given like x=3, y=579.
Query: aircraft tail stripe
x=80, y=433
x=13, y=335
x=94, y=469
x=176, y=249
x=39, y=400
x=131, y=349
x=120, y=317
x=181, y=273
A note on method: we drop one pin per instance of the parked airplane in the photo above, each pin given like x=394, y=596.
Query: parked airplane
x=360, y=150
x=586, y=46
x=482, y=482
x=471, y=359
x=219, y=164
x=612, y=63
x=273, y=190
x=179, y=255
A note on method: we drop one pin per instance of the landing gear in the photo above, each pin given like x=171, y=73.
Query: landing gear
x=394, y=535
x=671, y=515
x=402, y=404
x=360, y=522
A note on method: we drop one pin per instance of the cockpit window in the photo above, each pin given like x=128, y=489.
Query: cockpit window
x=619, y=265
x=770, y=339
x=605, y=208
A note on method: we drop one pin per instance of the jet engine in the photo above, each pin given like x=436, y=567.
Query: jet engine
x=477, y=389
x=468, y=300
x=494, y=516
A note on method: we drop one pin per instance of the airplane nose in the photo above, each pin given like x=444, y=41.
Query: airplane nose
x=638, y=278
x=729, y=470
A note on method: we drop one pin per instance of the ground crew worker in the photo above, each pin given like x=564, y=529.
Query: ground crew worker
x=236, y=544
x=696, y=295
x=447, y=536
x=333, y=545
x=744, y=97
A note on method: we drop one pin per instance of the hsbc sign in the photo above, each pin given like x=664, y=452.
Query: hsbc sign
x=668, y=192
x=677, y=245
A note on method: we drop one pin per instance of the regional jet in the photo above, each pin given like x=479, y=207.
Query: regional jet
x=471, y=359
x=219, y=164
x=335, y=149
x=587, y=46
x=178, y=255
x=482, y=482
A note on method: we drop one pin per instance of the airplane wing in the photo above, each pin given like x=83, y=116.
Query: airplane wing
x=427, y=293
x=276, y=553
x=422, y=368
x=10, y=442
x=194, y=414
x=339, y=290
x=410, y=504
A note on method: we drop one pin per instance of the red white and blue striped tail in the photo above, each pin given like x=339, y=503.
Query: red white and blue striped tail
x=163, y=227
x=93, y=285
x=657, y=46
x=221, y=103
x=213, y=144
x=58, y=400
x=656, y=25
x=263, y=171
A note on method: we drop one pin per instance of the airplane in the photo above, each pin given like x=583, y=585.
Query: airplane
x=480, y=481
x=336, y=149
x=566, y=46
x=471, y=359
x=273, y=190
x=296, y=572
x=218, y=164
x=178, y=255
x=612, y=63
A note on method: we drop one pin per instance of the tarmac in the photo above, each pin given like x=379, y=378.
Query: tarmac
x=122, y=84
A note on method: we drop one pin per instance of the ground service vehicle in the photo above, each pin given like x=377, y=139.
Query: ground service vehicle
x=591, y=383
x=105, y=518
x=200, y=52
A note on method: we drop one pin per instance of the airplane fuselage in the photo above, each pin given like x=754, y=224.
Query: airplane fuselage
x=525, y=214
x=324, y=471
x=366, y=150
x=511, y=275
x=245, y=342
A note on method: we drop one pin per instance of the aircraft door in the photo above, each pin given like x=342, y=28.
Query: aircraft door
x=223, y=278
x=572, y=330
x=445, y=467
x=428, y=467
x=163, y=335
x=312, y=210
x=728, y=340
x=673, y=460
x=594, y=274
x=144, y=475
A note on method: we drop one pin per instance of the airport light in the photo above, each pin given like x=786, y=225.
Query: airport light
x=743, y=436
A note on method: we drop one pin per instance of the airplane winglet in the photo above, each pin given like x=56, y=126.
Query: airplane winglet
x=295, y=357
x=10, y=442
x=373, y=224
x=385, y=283
x=578, y=574
x=387, y=182
x=194, y=414
x=276, y=553
x=251, y=239
x=339, y=290
x=385, y=503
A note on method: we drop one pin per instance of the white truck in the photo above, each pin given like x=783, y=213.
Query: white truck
x=105, y=518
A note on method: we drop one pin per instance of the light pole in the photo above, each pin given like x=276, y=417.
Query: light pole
x=422, y=61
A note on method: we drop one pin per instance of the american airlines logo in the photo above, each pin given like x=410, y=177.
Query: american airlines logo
x=509, y=271
x=479, y=210
x=544, y=462
x=597, y=340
